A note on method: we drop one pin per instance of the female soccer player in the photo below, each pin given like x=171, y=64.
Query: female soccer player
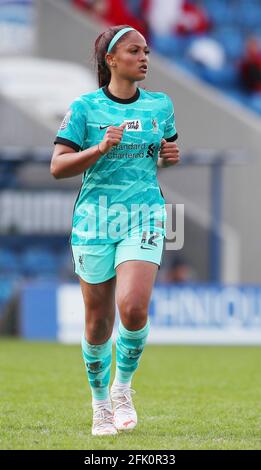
x=114, y=136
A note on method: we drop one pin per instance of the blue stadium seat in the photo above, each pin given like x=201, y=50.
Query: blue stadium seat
x=255, y=103
x=134, y=6
x=224, y=78
x=256, y=31
x=232, y=23
x=237, y=95
x=248, y=15
x=231, y=39
x=220, y=12
x=170, y=45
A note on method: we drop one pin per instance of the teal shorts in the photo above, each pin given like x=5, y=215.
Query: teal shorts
x=97, y=263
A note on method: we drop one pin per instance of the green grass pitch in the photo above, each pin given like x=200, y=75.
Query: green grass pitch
x=187, y=397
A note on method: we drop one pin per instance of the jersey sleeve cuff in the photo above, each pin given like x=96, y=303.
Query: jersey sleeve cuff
x=172, y=138
x=69, y=143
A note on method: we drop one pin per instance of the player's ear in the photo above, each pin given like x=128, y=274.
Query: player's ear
x=109, y=59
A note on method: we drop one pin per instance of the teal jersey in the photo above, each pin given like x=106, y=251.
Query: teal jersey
x=123, y=182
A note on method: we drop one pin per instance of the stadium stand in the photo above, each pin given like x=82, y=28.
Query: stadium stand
x=39, y=99
x=230, y=23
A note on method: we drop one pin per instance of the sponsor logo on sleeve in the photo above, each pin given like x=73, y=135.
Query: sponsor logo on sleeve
x=66, y=120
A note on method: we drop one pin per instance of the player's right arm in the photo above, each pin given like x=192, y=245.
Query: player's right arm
x=66, y=162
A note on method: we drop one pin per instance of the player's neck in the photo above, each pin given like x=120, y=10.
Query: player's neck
x=123, y=90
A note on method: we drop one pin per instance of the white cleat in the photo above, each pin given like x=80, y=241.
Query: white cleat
x=103, y=420
x=125, y=416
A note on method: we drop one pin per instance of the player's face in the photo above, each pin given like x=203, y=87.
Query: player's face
x=131, y=58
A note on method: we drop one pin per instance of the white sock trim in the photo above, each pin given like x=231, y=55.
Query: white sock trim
x=107, y=401
x=121, y=385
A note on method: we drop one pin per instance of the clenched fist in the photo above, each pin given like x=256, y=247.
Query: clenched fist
x=112, y=137
x=169, y=153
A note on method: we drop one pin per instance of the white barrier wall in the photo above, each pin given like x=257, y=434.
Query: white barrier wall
x=191, y=314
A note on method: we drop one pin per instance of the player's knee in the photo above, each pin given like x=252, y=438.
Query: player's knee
x=134, y=315
x=98, y=328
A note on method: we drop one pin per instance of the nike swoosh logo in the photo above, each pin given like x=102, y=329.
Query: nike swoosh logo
x=104, y=127
x=144, y=248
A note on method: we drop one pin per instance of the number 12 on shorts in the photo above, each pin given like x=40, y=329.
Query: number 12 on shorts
x=149, y=237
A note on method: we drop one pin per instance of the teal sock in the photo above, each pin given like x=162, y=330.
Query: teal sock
x=129, y=348
x=97, y=359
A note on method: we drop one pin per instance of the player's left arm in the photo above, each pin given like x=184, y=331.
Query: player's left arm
x=169, y=152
